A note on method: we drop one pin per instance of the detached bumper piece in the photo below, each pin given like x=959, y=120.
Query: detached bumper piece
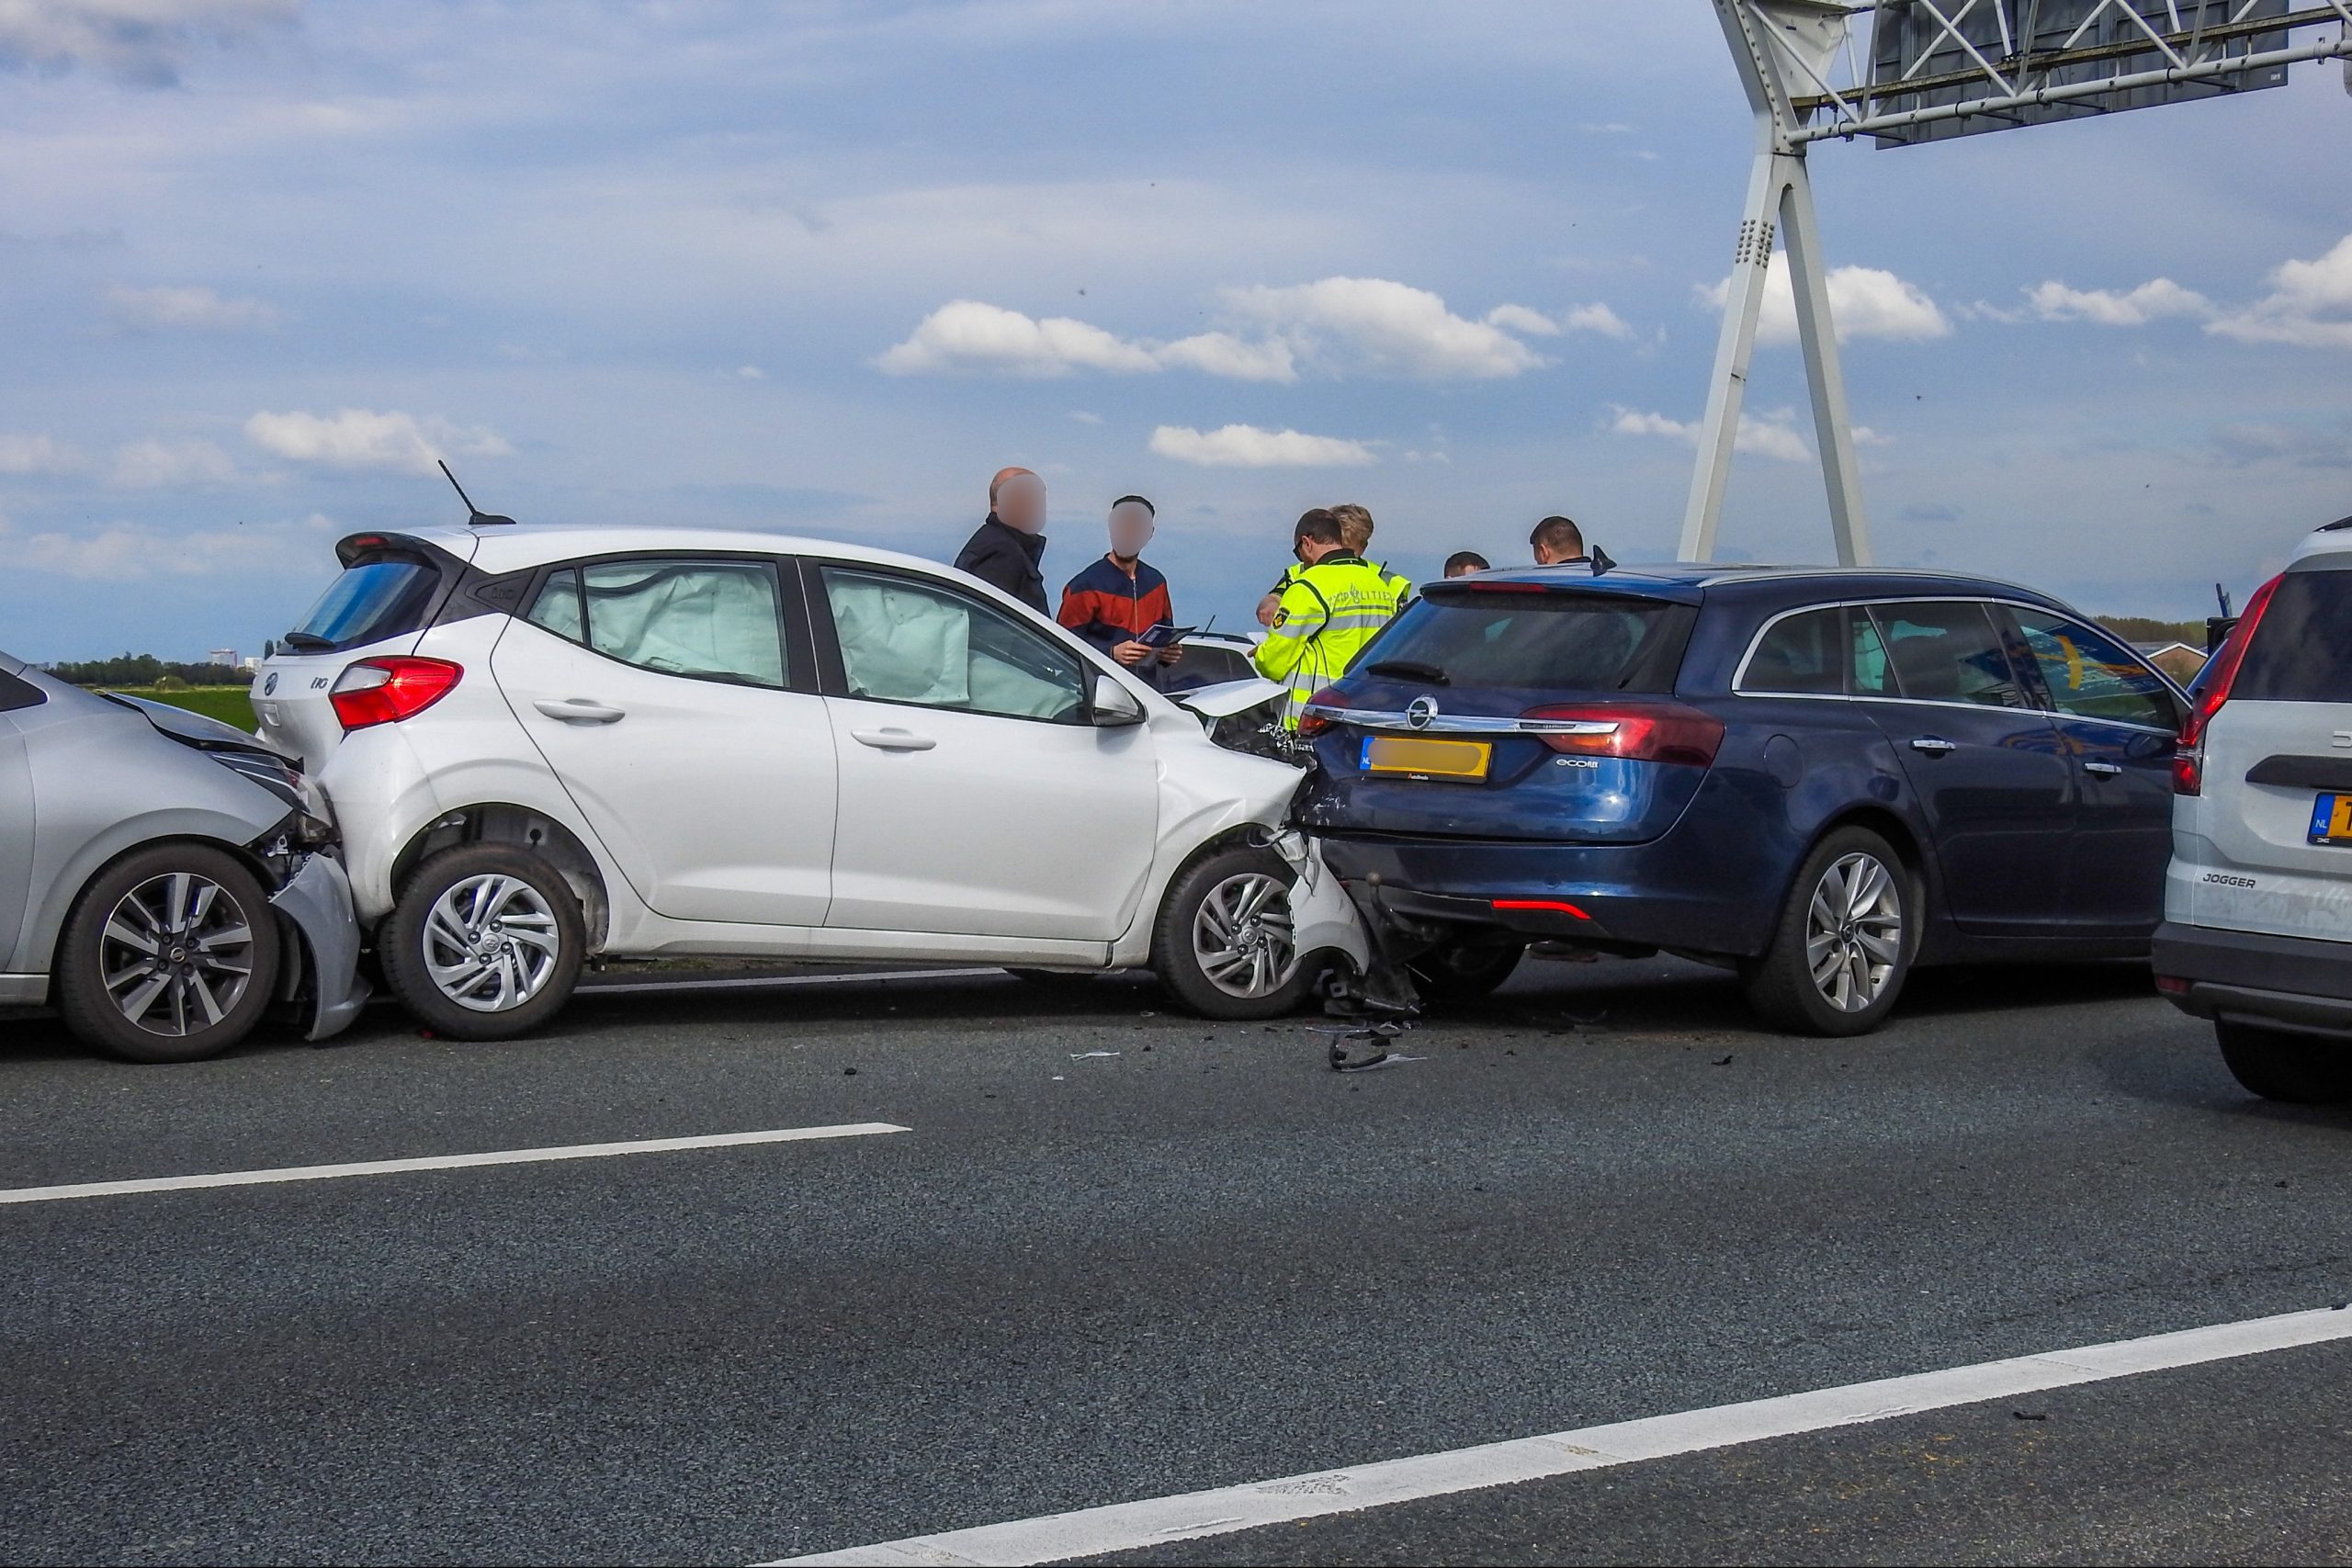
x=317, y=899
x=2275, y=982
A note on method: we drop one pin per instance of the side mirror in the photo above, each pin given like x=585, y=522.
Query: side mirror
x=1110, y=706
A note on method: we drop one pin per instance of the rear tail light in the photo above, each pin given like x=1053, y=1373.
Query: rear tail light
x=1311, y=723
x=1646, y=732
x=385, y=691
x=2171, y=985
x=1538, y=906
x=2189, y=759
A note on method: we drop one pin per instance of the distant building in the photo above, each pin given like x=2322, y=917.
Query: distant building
x=224, y=656
x=250, y=662
x=2176, y=660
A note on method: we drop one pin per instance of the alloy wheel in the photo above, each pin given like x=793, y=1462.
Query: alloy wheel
x=1243, y=938
x=491, y=942
x=177, y=954
x=1854, y=932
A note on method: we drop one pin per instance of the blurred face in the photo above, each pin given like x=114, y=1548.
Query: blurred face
x=1467, y=569
x=1131, y=530
x=1021, y=502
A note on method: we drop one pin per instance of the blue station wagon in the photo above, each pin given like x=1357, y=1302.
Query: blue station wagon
x=1822, y=778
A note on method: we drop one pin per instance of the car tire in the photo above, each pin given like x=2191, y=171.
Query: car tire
x=1464, y=972
x=484, y=943
x=1844, y=943
x=1223, y=944
x=2295, y=1069
x=169, y=954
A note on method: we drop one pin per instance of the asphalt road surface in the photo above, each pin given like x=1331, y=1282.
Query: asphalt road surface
x=1202, y=1261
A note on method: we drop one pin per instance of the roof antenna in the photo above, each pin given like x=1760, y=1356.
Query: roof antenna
x=475, y=516
x=2223, y=595
x=1600, y=561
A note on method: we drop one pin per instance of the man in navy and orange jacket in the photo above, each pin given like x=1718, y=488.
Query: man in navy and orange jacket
x=1117, y=599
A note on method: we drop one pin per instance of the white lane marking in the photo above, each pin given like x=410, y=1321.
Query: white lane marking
x=1129, y=1527
x=633, y=988
x=441, y=1162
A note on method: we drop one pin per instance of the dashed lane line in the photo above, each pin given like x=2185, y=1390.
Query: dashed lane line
x=442, y=1162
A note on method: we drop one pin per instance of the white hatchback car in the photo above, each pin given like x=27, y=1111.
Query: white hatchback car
x=2257, y=932
x=544, y=743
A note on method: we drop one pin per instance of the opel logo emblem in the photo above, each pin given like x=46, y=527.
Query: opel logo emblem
x=269, y=684
x=1422, y=713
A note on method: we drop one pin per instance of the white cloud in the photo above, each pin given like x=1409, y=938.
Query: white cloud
x=128, y=552
x=1375, y=327
x=1246, y=447
x=167, y=308
x=2054, y=301
x=1237, y=360
x=141, y=40
x=1774, y=435
x=2309, y=305
x=1337, y=327
x=364, y=438
x=749, y=373
x=1596, y=318
x=1085, y=418
x=144, y=465
x=23, y=455
x=1520, y=318
x=966, y=335
x=1864, y=302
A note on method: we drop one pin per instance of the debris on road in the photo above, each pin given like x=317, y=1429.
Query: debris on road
x=1092, y=1055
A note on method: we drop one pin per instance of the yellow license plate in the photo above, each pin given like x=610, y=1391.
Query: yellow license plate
x=2332, y=820
x=1464, y=760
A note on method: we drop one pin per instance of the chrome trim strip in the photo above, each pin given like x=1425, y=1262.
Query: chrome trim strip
x=1460, y=724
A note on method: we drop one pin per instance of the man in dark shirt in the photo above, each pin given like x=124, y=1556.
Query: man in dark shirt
x=1007, y=551
x=1115, y=601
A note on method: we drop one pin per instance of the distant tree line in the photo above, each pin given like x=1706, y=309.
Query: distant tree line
x=2139, y=629
x=146, y=670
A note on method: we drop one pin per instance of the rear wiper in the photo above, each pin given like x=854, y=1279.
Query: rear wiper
x=1412, y=669
x=308, y=639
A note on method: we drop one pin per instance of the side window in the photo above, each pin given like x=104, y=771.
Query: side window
x=1947, y=652
x=1802, y=654
x=557, y=606
x=1833, y=653
x=904, y=641
x=2091, y=675
x=711, y=620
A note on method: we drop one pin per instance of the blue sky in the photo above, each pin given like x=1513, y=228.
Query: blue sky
x=823, y=267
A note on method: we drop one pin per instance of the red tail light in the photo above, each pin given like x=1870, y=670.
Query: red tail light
x=1311, y=725
x=1538, y=906
x=2189, y=760
x=1647, y=732
x=385, y=691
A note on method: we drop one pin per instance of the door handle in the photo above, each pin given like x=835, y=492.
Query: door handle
x=579, y=710
x=893, y=739
x=2103, y=770
x=1934, y=746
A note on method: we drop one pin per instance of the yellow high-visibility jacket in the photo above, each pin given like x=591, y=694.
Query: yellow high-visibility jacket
x=1329, y=612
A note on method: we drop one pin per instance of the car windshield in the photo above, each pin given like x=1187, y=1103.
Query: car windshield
x=1574, y=642
x=371, y=601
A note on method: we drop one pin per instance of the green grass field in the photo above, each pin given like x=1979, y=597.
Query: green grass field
x=232, y=705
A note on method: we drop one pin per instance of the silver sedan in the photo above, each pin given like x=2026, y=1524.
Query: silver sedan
x=165, y=880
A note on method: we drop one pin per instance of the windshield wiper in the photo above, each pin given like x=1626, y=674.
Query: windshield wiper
x=311, y=640
x=1411, y=670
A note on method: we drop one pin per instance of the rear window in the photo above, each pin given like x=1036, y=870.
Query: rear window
x=371, y=601
x=1572, y=642
x=2302, y=651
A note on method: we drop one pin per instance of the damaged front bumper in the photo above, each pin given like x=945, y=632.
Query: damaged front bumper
x=325, y=988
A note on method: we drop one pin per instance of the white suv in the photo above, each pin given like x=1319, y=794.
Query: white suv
x=2257, y=932
x=547, y=743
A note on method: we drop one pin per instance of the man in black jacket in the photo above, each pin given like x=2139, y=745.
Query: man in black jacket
x=1007, y=551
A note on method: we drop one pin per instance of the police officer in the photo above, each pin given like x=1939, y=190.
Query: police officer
x=1355, y=527
x=1328, y=611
